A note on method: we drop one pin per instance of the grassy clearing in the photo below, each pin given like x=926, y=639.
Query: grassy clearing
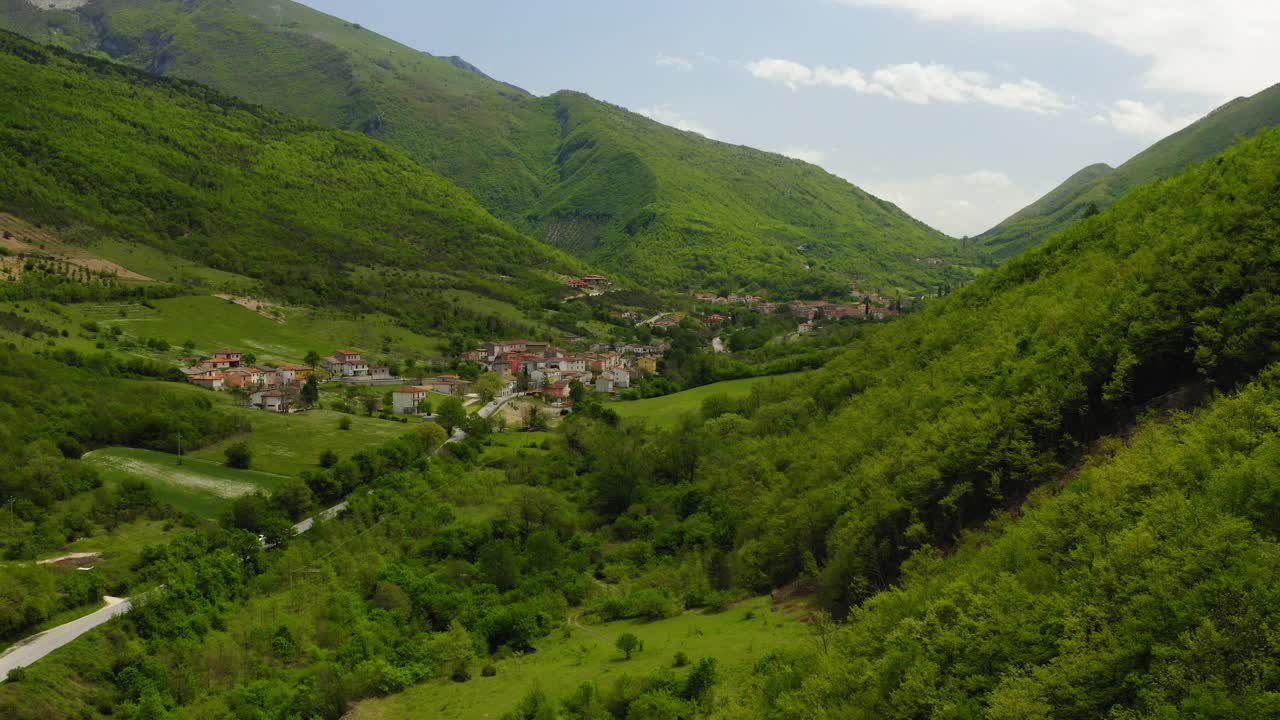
x=664, y=411
x=197, y=486
x=289, y=444
x=159, y=265
x=212, y=323
x=588, y=654
x=510, y=443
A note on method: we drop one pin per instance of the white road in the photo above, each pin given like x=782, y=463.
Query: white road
x=26, y=651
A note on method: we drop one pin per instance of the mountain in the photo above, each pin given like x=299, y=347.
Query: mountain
x=636, y=197
x=1097, y=186
x=318, y=216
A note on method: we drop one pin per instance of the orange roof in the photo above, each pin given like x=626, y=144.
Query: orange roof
x=344, y=351
x=410, y=389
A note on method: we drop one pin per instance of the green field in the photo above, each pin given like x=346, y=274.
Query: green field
x=289, y=444
x=664, y=411
x=164, y=267
x=212, y=323
x=562, y=664
x=197, y=486
x=510, y=443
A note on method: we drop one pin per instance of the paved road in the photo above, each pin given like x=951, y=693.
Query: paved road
x=29, y=650
x=26, y=651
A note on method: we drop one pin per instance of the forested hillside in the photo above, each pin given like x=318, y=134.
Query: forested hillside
x=615, y=188
x=1097, y=186
x=319, y=216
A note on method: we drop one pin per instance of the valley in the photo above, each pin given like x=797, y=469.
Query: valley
x=341, y=380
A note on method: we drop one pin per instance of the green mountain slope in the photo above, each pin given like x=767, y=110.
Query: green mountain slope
x=610, y=186
x=928, y=425
x=319, y=216
x=1097, y=186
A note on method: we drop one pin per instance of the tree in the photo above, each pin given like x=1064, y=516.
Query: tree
x=310, y=392
x=452, y=414
x=498, y=562
x=248, y=359
x=328, y=459
x=370, y=404
x=628, y=643
x=577, y=392
x=487, y=386
x=239, y=456
x=424, y=407
x=312, y=359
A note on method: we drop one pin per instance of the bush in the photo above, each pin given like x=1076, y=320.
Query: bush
x=628, y=643
x=681, y=659
x=17, y=674
x=344, y=424
x=328, y=458
x=488, y=671
x=239, y=456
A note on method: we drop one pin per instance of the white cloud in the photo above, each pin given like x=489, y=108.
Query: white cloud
x=956, y=204
x=1147, y=121
x=809, y=155
x=1213, y=48
x=666, y=115
x=673, y=62
x=915, y=83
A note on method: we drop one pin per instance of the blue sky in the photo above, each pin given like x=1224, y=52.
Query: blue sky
x=960, y=111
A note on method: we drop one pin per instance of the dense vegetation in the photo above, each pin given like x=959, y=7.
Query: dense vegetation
x=1097, y=186
x=990, y=498
x=622, y=191
x=319, y=216
x=1147, y=587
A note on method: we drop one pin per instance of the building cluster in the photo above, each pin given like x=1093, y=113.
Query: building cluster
x=546, y=370
x=349, y=364
x=867, y=306
x=590, y=282
x=270, y=388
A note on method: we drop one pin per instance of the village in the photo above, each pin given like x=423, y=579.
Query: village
x=536, y=369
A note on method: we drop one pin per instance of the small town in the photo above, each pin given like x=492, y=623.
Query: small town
x=537, y=369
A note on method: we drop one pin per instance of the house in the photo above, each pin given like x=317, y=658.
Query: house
x=448, y=385
x=621, y=377
x=406, y=400
x=221, y=363
x=210, y=380
x=272, y=400
x=647, y=363
x=557, y=390
x=347, y=363
x=379, y=372
x=715, y=319
x=604, y=384
x=805, y=328
x=231, y=356
x=238, y=377
x=292, y=373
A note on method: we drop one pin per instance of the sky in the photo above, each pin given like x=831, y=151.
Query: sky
x=959, y=111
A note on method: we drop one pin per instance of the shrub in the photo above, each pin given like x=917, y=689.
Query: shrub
x=239, y=456
x=628, y=643
x=681, y=659
x=488, y=671
x=344, y=424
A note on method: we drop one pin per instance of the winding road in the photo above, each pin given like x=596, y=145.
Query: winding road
x=26, y=651
x=30, y=649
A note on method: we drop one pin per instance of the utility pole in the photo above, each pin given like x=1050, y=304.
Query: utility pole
x=179, y=448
